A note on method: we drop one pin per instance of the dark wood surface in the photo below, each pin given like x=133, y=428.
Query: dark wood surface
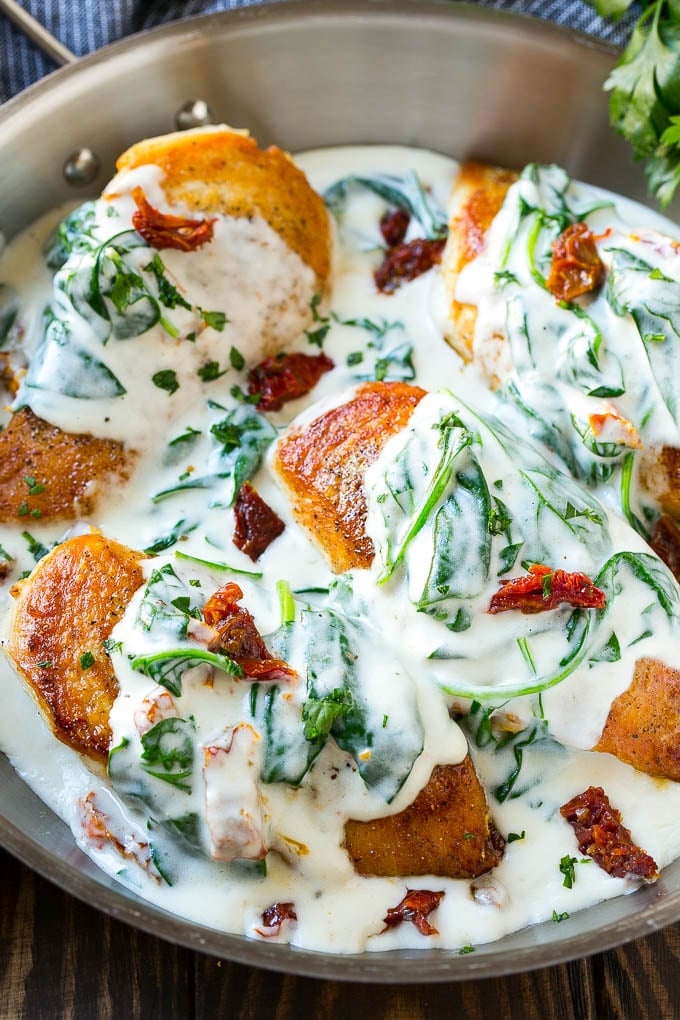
x=60, y=958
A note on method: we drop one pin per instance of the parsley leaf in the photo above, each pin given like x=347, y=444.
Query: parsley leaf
x=319, y=714
x=211, y=371
x=166, y=380
x=216, y=320
x=645, y=91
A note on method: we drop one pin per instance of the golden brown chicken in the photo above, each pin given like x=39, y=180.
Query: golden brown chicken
x=221, y=170
x=49, y=474
x=643, y=725
x=446, y=831
x=478, y=194
x=64, y=611
x=322, y=467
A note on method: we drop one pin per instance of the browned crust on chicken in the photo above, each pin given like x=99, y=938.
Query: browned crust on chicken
x=69, y=471
x=643, y=725
x=665, y=542
x=446, y=831
x=478, y=193
x=322, y=466
x=223, y=171
x=660, y=476
x=64, y=610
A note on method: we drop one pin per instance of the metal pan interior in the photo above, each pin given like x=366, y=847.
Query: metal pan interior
x=461, y=80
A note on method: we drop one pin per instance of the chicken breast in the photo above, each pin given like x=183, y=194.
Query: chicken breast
x=64, y=611
x=643, y=725
x=478, y=194
x=220, y=170
x=322, y=467
x=446, y=831
x=49, y=474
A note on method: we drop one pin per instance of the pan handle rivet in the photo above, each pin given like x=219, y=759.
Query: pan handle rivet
x=192, y=114
x=81, y=168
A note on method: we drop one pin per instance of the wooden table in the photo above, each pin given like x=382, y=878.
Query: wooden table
x=60, y=958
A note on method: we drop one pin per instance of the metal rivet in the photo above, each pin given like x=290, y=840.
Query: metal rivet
x=192, y=114
x=81, y=168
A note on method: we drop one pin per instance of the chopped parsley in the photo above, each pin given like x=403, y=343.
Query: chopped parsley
x=216, y=320
x=109, y=645
x=166, y=380
x=34, y=487
x=86, y=660
x=236, y=359
x=211, y=371
x=513, y=837
x=36, y=548
x=559, y=917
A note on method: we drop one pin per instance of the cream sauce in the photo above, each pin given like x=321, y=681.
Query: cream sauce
x=302, y=827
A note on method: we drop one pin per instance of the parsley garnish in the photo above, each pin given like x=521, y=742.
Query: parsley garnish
x=166, y=380
x=513, y=837
x=319, y=714
x=645, y=91
x=216, y=320
x=36, y=548
x=168, y=294
x=317, y=336
x=211, y=371
x=245, y=398
x=567, y=868
x=109, y=645
x=34, y=487
x=86, y=660
x=236, y=359
x=466, y=949
x=559, y=917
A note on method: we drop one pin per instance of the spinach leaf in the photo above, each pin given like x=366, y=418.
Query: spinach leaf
x=9, y=309
x=462, y=539
x=380, y=730
x=74, y=235
x=654, y=303
x=171, y=538
x=169, y=666
x=239, y=442
x=403, y=525
x=159, y=605
x=168, y=752
x=60, y=365
x=407, y=193
x=650, y=571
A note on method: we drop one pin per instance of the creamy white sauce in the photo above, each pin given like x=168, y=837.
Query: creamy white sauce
x=264, y=290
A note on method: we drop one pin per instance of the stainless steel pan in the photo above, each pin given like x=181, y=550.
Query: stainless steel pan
x=462, y=80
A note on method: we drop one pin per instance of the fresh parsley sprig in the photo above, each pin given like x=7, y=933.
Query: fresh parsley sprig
x=644, y=105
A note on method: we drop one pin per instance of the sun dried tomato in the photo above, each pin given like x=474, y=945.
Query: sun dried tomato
x=407, y=261
x=544, y=588
x=602, y=836
x=285, y=377
x=161, y=230
x=576, y=266
x=256, y=524
x=239, y=638
x=273, y=918
x=665, y=542
x=393, y=226
x=415, y=907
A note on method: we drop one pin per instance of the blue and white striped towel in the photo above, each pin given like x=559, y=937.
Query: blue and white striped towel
x=85, y=25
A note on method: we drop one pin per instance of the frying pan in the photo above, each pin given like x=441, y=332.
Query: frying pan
x=466, y=81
